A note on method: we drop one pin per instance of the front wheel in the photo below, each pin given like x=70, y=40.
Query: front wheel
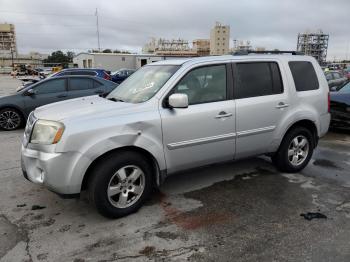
x=295, y=150
x=120, y=184
x=10, y=119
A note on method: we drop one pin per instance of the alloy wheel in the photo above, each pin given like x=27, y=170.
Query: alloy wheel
x=126, y=186
x=298, y=150
x=10, y=120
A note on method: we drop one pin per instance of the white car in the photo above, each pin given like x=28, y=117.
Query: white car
x=173, y=115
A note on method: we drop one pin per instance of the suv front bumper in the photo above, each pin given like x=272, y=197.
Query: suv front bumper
x=56, y=171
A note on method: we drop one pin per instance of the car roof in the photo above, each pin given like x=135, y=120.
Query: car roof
x=81, y=69
x=195, y=60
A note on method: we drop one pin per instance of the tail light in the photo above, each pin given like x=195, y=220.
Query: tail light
x=107, y=76
x=329, y=102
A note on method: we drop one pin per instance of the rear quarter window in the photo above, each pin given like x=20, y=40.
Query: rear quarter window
x=304, y=75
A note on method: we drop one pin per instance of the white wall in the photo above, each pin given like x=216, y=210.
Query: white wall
x=114, y=62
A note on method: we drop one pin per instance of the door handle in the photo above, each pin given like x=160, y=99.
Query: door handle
x=61, y=96
x=281, y=105
x=223, y=114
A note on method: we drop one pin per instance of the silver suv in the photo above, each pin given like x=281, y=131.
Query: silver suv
x=174, y=115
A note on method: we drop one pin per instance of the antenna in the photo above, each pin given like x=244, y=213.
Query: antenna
x=98, y=31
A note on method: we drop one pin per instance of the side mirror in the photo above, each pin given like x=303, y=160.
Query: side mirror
x=30, y=92
x=334, y=88
x=178, y=101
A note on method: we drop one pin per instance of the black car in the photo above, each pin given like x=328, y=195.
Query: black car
x=340, y=107
x=14, y=109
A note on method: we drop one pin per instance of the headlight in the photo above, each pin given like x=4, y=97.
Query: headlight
x=47, y=132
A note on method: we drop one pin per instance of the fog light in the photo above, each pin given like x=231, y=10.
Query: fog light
x=41, y=175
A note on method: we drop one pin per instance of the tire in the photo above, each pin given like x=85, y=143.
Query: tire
x=110, y=189
x=10, y=119
x=292, y=156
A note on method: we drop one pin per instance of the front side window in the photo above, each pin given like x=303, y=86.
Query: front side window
x=143, y=84
x=304, y=75
x=204, y=84
x=51, y=86
x=80, y=83
x=257, y=79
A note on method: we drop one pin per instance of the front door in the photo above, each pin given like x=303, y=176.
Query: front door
x=204, y=132
x=46, y=92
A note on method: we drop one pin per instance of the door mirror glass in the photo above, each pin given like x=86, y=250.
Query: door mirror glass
x=178, y=101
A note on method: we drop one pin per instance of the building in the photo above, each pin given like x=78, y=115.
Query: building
x=113, y=62
x=314, y=44
x=8, y=43
x=241, y=45
x=220, y=39
x=165, y=47
x=201, y=47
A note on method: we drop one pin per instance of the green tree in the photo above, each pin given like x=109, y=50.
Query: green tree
x=107, y=51
x=60, y=57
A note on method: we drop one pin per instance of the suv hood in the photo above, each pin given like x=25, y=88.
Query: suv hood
x=83, y=106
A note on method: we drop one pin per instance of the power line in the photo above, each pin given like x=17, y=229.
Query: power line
x=45, y=24
x=35, y=13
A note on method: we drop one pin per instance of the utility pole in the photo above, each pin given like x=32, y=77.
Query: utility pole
x=98, y=31
x=11, y=47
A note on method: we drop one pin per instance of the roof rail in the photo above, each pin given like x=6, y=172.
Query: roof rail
x=247, y=52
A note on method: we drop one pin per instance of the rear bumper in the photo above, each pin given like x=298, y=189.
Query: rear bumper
x=324, y=124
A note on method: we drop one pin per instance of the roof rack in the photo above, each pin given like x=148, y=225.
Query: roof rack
x=247, y=52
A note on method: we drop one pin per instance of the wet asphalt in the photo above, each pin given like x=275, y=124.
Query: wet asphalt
x=237, y=211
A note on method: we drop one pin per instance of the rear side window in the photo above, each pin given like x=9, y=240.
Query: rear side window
x=304, y=75
x=80, y=84
x=257, y=79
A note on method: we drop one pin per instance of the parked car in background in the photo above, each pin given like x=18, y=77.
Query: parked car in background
x=14, y=109
x=122, y=74
x=173, y=115
x=340, y=107
x=335, y=78
x=84, y=71
x=347, y=72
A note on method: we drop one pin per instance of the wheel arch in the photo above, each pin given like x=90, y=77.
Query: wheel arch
x=157, y=174
x=307, y=123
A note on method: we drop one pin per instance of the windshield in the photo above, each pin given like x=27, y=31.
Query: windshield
x=143, y=84
x=345, y=89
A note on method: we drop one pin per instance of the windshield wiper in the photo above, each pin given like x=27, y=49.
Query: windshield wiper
x=116, y=99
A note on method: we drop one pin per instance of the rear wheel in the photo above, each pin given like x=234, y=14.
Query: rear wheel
x=10, y=119
x=120, y=184
x=295, y=150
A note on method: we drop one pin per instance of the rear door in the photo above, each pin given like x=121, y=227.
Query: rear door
x=84, y=86
x=261, y=104
x=46, y=92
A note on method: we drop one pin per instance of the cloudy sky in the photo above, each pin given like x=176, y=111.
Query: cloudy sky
x=46, y=25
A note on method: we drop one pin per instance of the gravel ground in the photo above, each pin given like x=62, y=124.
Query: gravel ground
x=239, y=211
